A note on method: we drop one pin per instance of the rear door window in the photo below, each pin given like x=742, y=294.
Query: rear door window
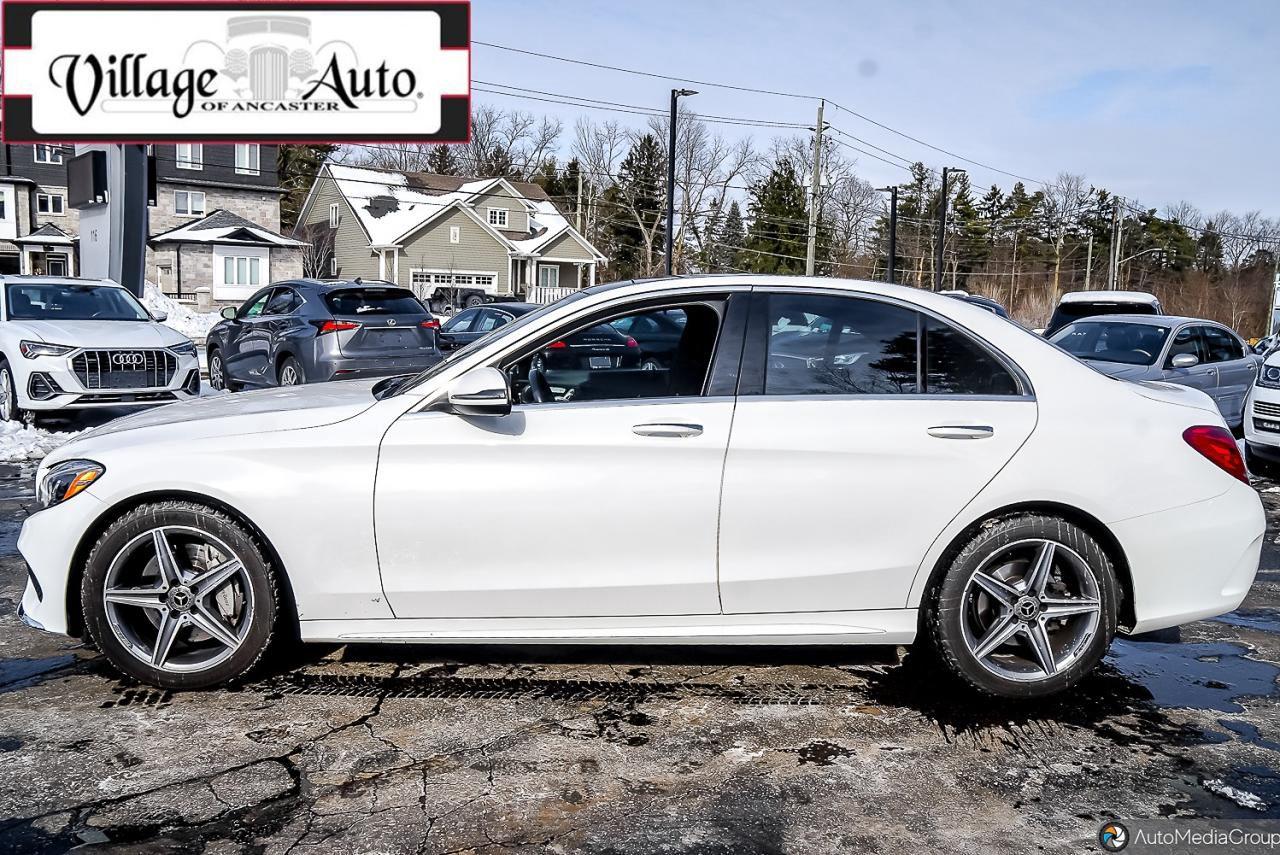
x=358, y=302
x=462, y=322
x=957, y=365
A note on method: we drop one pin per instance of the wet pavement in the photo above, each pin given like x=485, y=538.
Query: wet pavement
x=621, y=750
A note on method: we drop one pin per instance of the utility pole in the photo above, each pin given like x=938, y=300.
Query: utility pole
x=815, y=181
x=892, y=272
x=1088, y=265
x=676, y=94
x=940, y=244
x=1115, y=245
x=1275, y=293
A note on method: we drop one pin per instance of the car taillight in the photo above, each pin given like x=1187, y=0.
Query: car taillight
x=430, y=324
x=1218, y=446
x=557, y=345
x=631, y=342
x=337, y=326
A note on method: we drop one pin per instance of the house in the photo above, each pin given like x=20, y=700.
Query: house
x=229, y=192
x=453, y=240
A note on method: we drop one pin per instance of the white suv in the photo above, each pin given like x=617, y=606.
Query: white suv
x=78, y=343
x=1262, y=421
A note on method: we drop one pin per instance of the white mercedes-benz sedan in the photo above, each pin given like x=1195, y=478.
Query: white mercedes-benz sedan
x=822, y=461
x=72, y=344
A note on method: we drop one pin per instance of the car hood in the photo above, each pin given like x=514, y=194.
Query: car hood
x=241, y=413
x=102, y=333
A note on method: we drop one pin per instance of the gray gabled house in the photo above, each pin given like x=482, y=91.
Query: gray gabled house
x=453, y=240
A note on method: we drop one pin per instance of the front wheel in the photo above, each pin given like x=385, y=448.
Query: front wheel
x=180, y=596
x=1026, y=609
x=9, y=410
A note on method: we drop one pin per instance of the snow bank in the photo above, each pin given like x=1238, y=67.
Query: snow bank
x=19, y=442
x=192, y=324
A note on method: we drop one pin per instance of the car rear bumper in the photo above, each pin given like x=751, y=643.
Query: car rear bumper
x=1195, y=561
x=346, y=368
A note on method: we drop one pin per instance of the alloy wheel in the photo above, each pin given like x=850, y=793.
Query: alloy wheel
x=6, y=400
x=178, y=599
x=1030, y=610
x=216, y=377
x=289, y=375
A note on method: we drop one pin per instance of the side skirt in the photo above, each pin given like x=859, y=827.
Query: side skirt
x=881, y=626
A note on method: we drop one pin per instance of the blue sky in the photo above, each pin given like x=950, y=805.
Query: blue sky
x=1159, y=101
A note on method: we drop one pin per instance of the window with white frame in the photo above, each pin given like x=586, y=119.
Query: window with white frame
x=4, y=213
x=188, y=203
x=455, y=234
x=422, y=281
x=333, y=215
x=48, y=154
x=242, y=270
x=51, y=203
x=333, y=265
x=190, y=156
x=549, y=277
x=247, y=159
x=498, y=217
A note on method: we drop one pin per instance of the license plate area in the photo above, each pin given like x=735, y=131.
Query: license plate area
x=1267, y=425
x=599, y=361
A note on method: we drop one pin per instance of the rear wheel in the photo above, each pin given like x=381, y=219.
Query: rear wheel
x=291, y=373
x=180, y=595
x=1026, y=609
x=1259, y=465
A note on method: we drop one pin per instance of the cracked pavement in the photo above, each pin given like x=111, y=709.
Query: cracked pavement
x=486, y=749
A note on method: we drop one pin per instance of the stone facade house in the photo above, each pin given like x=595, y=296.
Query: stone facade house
x=453, y=240
x=39, y=231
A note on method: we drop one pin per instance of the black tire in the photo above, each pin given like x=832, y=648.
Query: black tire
x=472, y=300
x=290, y=373
x=218, y=379
x=9, y=410
x=262, y=632
x=949, y=613
x=1259, y=465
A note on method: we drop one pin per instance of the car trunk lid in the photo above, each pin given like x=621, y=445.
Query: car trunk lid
x=379, y=322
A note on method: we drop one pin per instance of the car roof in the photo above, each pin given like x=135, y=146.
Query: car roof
x=325, y=285
x=518, y=308
x=29, y=279
x=1109, y=297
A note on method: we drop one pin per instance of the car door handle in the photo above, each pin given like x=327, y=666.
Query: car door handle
x=962, y=431
x=663, y=429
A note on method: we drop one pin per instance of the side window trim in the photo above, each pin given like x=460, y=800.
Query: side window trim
x=756, y=347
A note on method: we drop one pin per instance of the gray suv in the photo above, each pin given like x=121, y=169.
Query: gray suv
x=308, y=331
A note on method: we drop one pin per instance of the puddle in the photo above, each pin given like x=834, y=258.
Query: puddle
x=1196, y=676
x=1247, y=732
x=1261, y=619
x=16, y=673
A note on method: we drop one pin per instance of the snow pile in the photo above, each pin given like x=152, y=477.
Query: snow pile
x=19, y=442
x=1244, y=798
x=192, y=324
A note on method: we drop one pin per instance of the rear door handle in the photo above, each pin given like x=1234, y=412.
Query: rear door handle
x=962, y=431
x=665, y=429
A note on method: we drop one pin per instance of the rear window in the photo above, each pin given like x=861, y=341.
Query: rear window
x=373, y=301
x=1068, y=312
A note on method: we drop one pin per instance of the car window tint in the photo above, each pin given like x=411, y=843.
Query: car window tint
x=254, y=308
x=281, y=302
x=1221, y=345
x=373, y=301
x=461, y=322
x=1186, y=341
x=601, y=362
x=489, y=319
x=821, y=345
x=956, y=365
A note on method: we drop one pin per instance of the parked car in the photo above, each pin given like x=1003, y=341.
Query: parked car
x=993, y=498
x=1075, y=305
x=1265, y=345
x=308, y=331
x=1262, y=420
x=658, y=333
x=601, y=346
x=992, y=306
x=70, y=344
x=1188, y=351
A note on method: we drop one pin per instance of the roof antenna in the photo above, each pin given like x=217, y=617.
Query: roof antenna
x=357, y=281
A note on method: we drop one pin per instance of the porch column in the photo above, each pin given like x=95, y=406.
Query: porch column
x=382, y=264
x=395, y=265
x=532, y=272
x=591, y=275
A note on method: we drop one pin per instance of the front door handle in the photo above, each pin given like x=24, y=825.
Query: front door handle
x=962, y=431
x=664, y=429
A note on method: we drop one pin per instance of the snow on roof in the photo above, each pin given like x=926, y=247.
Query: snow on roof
x=224, y=227
x=389, y=204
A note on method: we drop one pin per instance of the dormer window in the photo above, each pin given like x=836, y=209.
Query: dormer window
x=498, y=218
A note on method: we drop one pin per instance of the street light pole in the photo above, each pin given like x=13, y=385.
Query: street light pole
x=941, y=243
x=676, y=94
x=892, y=272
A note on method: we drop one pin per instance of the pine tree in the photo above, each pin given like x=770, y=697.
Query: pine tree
x=296, y=169
x=497, y=164
x=442, y=161
x=732, y=237
x=634, y=209
x=778, y=235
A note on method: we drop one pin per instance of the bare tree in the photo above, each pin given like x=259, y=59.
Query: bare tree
x=1065, y=199
x=317, y=251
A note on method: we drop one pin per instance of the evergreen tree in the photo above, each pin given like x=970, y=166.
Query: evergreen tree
x=442, y=161
x=732, y=235
x=1209, y=249
x=497, y=164
x=778, y=235
x=296, y=169
x=634, y=209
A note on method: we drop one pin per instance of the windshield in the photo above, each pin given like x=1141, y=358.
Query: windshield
x=484, y=341
x=71, y=301
x=1112, y=341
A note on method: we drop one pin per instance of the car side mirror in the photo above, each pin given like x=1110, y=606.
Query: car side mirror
x=1184, y=360
x=480, y=392
x=159, y=317
x=228, y=312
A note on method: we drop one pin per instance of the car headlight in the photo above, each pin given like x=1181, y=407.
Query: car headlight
x=32, y=349
x=1269, y=377
x=187, y=348
x=66, y=479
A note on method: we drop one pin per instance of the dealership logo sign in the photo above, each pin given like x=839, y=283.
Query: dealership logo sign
x=343, y=71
